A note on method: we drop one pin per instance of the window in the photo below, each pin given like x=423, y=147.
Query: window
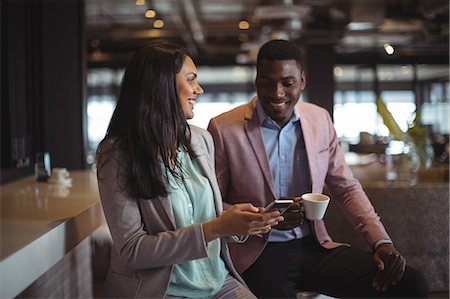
x=355, y=109
x=103, y=87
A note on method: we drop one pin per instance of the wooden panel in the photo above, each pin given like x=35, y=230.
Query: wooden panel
x=71, y=277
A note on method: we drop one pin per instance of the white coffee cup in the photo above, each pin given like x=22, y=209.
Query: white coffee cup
x=315, y=205
x=60, y=174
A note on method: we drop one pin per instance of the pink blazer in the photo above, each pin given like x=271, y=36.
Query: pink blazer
x=244, y=174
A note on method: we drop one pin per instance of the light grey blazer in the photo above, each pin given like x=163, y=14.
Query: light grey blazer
x=146, y=241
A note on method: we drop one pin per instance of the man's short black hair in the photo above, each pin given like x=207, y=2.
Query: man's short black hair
x=279, y=49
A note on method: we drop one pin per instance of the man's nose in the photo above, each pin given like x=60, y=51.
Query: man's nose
x=280, y=90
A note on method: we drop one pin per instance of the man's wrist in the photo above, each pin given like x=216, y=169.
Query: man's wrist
x=379, y=242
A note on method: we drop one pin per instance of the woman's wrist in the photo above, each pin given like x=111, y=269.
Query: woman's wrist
x=210, y=230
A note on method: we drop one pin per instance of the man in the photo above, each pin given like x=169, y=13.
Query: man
x=275, y=146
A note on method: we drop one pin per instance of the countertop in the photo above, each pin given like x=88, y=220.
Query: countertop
x=41, y=222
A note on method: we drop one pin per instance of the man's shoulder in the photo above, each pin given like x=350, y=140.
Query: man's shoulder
x=235, y=115
x=310, y=107
x=312, y=112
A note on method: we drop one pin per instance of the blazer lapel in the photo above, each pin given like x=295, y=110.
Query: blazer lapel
x=253, y=130
x=206, y=166
x=309, y=143
x=167, y=206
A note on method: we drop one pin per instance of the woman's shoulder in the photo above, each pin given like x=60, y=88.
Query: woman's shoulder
x=197, y=132
x=200, y=137
x=109, y=149
x=107, y=146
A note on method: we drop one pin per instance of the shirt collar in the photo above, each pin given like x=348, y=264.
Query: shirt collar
x=264, y=118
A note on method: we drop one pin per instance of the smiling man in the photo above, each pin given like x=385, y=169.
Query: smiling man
x=277, y=146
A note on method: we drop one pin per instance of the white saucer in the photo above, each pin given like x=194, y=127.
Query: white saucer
x=64, y=182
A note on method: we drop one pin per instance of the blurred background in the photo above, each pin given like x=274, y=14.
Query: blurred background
x=62, y=64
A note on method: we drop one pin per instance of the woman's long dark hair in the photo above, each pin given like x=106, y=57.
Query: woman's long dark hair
x=148, y=125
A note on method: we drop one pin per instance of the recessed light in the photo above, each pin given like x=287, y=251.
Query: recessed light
x=158, y=24
x=150, y=14
x=389, y=49
x=244, y=25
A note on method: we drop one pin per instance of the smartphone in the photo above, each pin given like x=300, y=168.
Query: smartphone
x=281, y=205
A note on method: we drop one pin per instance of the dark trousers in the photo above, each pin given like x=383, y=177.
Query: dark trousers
x=285, y=268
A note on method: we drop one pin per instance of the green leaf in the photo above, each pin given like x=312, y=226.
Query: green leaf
x=389, y=120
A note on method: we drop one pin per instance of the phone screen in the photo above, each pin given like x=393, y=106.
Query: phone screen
x=279, y=204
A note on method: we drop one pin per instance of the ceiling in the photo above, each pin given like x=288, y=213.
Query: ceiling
x=209, y=29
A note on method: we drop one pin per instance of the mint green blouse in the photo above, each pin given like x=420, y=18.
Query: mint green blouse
x=192, y=202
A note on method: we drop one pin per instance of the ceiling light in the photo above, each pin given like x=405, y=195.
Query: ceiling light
x=158, y=24
x=338, y=71
x=95, y=43
x=150, y=14
x=389, y=49
x=244, y=25
x=140, y=2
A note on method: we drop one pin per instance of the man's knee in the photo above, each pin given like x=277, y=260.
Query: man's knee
x=415, y=283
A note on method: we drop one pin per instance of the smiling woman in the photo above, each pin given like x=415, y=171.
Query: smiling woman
x=159, y=192
x=187, y=87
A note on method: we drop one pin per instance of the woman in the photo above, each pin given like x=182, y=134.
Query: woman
x=159, y=191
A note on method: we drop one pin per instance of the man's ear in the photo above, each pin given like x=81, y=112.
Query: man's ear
x=302, y=80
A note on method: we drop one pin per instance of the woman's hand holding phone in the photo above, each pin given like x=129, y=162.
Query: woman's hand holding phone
x=240, y=220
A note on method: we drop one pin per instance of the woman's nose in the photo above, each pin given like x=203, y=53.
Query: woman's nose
x=198, y=89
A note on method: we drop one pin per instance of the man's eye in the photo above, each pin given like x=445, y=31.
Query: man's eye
x=289, y=83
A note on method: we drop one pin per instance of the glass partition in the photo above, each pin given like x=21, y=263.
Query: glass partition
x=403, y=88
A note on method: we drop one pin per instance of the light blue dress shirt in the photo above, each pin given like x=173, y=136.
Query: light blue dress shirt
x=285, y=149
x=192, y=202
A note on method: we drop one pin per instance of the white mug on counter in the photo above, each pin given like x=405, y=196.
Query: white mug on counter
x=60, y=176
